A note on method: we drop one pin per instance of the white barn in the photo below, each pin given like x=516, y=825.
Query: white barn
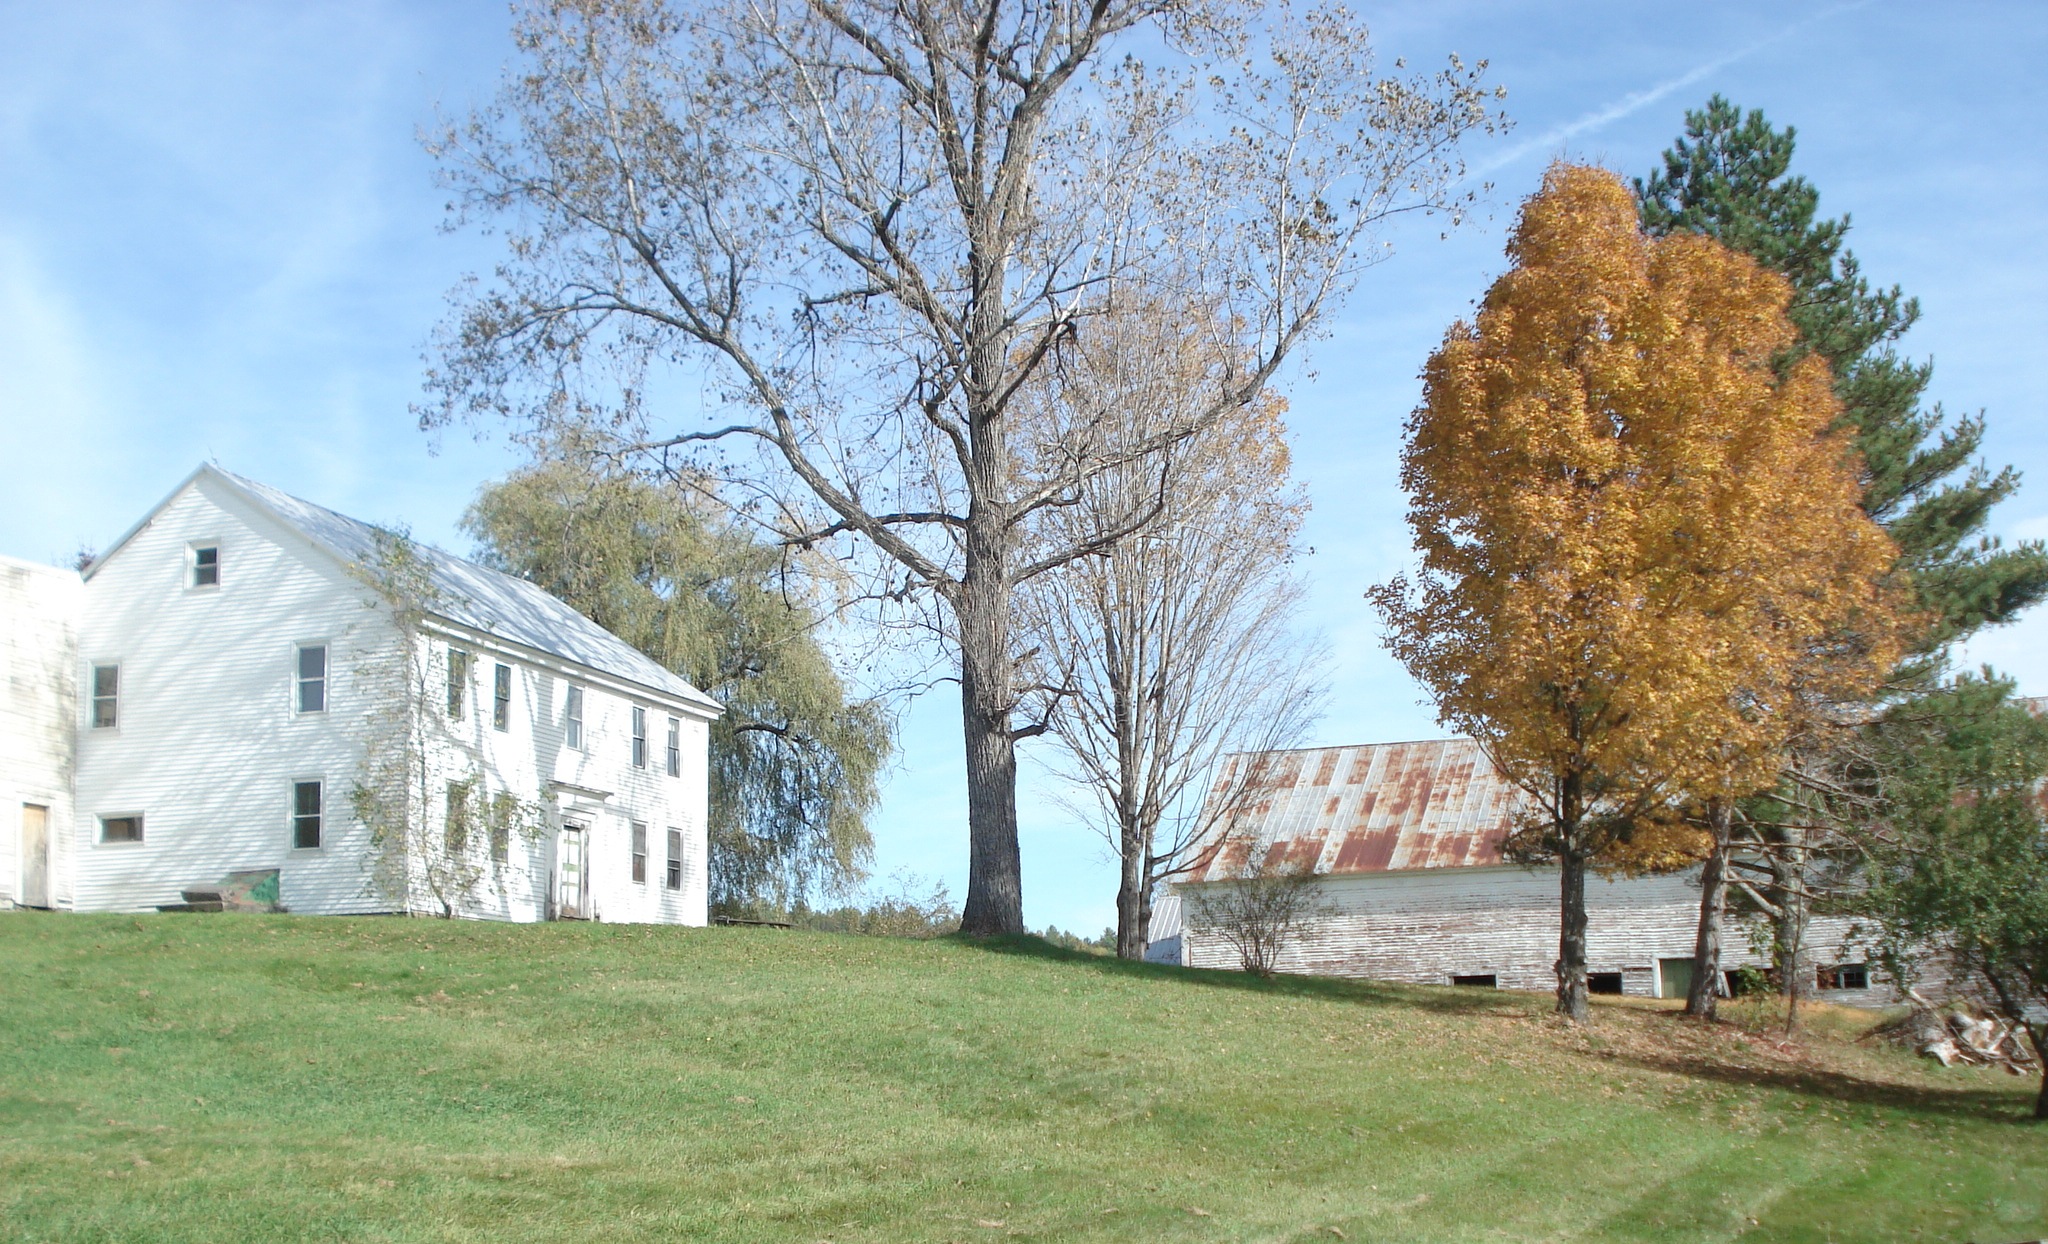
x=1405, y=840
x=251, y=691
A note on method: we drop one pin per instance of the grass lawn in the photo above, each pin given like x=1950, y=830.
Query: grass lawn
x=212, y=1078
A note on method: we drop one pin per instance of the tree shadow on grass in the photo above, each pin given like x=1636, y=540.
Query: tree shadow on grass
x=1680, y=1054
x=1343, y=990
x=1676, y=1054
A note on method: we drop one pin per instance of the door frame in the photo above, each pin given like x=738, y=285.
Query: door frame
x=581, y=832
x=21, y=857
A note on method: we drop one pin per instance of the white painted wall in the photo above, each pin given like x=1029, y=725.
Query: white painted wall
x=1427, y=925
x=209, y=744
x=38, y=702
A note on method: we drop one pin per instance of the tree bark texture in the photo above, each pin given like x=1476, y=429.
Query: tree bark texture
x=1705, y=994
x=981, y=605
x=1133, y=912
x=1788, y=880
x=1571, y=940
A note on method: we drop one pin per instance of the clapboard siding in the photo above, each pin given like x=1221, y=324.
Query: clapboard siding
x=208, y=744
x=38, y=702
x=1428, y=925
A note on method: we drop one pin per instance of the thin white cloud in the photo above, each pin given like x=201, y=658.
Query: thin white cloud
x=1556, y=137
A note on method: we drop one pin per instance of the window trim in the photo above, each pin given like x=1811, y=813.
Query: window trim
x=193, y=548
x=638, y=850
x=675, y=747
x=141, y=829
x=501, y=697
x=672, y=878
x=299, y=679
x=93, y=697
x=572, y=717
x=639, y=737
x=318, y=815
x=1828, y=976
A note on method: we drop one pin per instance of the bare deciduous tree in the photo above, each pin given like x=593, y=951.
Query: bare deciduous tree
x=1263, y=902
x=861, y=228
x=1171, y=648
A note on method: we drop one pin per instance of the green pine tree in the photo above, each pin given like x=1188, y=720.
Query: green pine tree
x=1727, y=177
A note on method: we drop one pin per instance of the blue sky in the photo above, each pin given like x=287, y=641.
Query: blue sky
x=220, y=239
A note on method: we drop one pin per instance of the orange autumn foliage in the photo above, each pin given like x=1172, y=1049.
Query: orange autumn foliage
x=1643, y=557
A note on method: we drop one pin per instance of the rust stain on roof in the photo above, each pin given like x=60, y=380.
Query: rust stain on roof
x=1378, y=807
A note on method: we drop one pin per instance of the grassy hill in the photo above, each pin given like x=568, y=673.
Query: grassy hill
x=223, y=1077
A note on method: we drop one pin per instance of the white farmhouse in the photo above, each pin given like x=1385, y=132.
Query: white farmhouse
x=1404, y=841
x=251, y=693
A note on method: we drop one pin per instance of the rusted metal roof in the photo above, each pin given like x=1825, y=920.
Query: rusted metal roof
x=1379, y=807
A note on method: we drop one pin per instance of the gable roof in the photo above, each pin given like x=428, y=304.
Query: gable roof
x=468, y=595
x=1378, y=807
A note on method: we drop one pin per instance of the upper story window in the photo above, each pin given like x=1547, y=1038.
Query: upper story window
x=675, y=747
x=458, y=683
x=572, y=718
x=305, y=815
x=205, y=565
x=639, y=737
x=121, y=828
x=501, y=698
x=106, y=697
x=311, y=695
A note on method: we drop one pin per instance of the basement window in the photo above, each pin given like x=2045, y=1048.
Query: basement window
x=1845, y=976
x=1603, y=982
x=121, y=828
x=1485, y=980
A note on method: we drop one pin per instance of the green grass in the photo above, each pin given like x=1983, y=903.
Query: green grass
x=243, y=1077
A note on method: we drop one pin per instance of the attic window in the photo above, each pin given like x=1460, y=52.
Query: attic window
x=206, y=565
x=1845, y=976
x=1483, y=981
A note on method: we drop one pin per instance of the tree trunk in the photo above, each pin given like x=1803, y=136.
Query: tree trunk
x=1131, y=908
x=1571, y=941
x=2039, y=1036
x=981, y=606
x=1788, y=880
x=1705, y=993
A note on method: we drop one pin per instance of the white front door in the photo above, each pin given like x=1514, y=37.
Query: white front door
x=572, y=885
x=35, y=855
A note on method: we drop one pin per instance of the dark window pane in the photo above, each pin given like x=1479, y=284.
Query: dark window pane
x=205, y=567
x=675, y=747
x=501, y=698
x=675, y=859
x=305, y=815
x=106, y=696
x=120, y=829
x=313, y=678
x=458, y=682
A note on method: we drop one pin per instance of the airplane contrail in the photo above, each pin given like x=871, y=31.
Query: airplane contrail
x=1639, y=100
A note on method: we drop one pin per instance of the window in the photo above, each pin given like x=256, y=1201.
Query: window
x=121, y=828
x=1845, y=976
x=458, y=682
x=675, y=859
x=1487, y=981
x=675, y=747
x=312, y=678
x=305, y=815
x=501, y=698
x=504, y=807
x=639, y=737
x=106, y=697
x=1603, y=982
x=639, y=853
x=206, y=565
x=455, y=831
x=572, y=719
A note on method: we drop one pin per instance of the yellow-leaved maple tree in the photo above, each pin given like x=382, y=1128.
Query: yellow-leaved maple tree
x=1640, y=537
